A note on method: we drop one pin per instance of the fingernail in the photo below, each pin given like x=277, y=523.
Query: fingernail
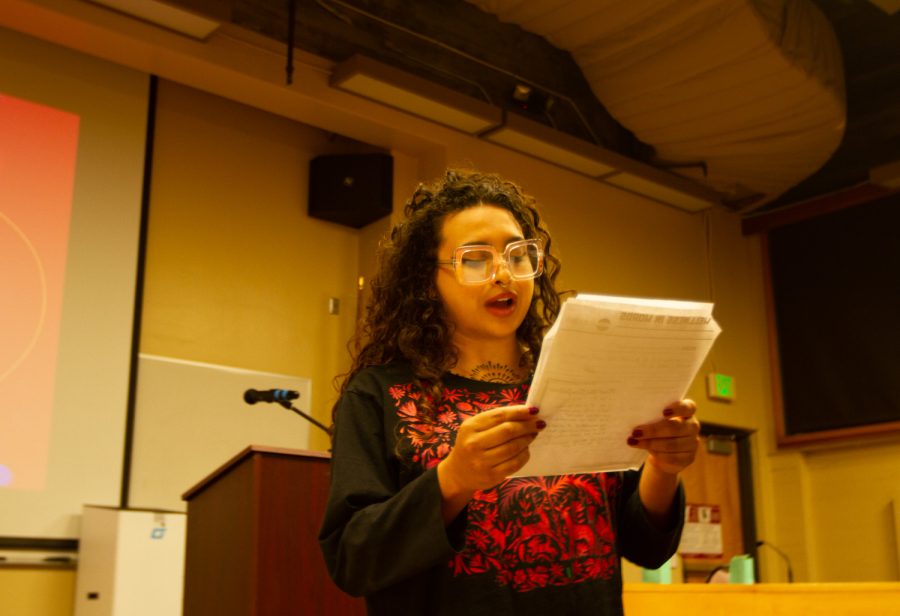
x=632, y=441
x=540, y=424
x=668, y=413
x=533, y=410
x=637, y=433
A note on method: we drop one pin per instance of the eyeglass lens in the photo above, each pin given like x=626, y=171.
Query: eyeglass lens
x=477, y=264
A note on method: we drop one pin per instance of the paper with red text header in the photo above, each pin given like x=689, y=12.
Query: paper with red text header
x=607, y=365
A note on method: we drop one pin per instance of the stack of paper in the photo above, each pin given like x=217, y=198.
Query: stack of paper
x=609, y=364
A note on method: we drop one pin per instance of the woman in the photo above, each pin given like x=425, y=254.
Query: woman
x=431, y=421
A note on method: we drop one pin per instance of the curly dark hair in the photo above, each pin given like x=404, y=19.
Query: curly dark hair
x=405, y=318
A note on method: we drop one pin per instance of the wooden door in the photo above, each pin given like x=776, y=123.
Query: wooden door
x=713, y=483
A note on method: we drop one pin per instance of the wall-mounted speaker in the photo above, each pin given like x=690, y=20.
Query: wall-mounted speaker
x=351, y=189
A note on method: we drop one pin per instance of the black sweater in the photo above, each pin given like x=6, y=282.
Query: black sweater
x=530, y=545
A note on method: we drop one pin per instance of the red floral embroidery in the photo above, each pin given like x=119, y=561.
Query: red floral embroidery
x=529, y=532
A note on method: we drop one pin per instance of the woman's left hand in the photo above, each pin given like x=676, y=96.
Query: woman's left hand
x=672, y=441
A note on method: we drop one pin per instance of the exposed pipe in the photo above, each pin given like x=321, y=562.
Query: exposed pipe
x=292, y=19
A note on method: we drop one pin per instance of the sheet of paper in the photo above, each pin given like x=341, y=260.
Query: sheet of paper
x=609, y=364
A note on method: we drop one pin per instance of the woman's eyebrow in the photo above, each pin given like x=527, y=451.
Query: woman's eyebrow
x=509, y=240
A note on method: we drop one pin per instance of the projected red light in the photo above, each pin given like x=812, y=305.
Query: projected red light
x=38, y=147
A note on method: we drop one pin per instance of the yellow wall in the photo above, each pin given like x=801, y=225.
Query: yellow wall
x=854, y=492
x=238, y=274
x=37, y=591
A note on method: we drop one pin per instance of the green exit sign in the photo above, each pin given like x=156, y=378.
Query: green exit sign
x=720, y=386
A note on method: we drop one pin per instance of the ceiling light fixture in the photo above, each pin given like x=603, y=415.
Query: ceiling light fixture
x=887, y=175
x=396, y=88
x=890, y=7
x=664, y=187
x=541, y=141
x=165, y=15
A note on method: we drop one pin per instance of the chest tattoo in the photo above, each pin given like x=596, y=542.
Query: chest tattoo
x=495, y=373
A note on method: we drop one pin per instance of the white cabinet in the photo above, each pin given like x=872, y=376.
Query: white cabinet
x=130, y=562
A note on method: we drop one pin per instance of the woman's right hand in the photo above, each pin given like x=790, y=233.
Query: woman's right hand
x=489, y=448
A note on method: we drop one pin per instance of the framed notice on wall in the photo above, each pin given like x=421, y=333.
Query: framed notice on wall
x=702, y=535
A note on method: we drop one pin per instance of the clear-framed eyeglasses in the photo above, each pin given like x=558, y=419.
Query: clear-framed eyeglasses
x=478, y=264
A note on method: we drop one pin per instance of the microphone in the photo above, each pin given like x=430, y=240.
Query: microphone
x=282, y=397
x=787, y=561
x=252, y=396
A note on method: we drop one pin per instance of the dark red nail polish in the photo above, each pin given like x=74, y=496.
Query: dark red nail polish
x=632, y=441
x=668, y=413
x=637, y=433
x=540, y=424
x=533, y=410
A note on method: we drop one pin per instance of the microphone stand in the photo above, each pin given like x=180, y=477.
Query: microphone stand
x=308, y=418
x=787, y=561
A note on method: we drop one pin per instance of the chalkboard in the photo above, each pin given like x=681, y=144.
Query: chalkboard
x=836, y=295
x=190, y=418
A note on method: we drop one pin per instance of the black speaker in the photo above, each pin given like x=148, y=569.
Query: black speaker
x=351, y=189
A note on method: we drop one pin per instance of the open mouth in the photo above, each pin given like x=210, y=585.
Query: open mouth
x=503, y=302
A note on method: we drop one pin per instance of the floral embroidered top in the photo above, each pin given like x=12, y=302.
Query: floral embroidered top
x=530, y=545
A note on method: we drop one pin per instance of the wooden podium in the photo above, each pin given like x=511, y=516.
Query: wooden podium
x=252, y=547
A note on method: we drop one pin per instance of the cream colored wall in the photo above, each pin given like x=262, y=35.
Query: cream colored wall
x=236, y=272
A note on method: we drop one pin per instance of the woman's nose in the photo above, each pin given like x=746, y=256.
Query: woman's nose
x=502, y=275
